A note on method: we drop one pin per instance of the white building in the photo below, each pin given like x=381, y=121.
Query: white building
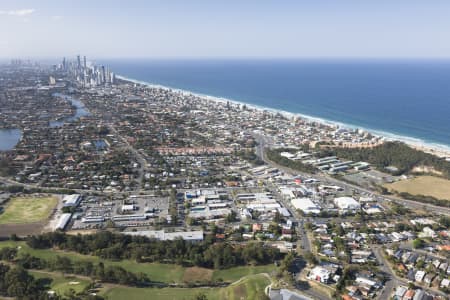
x=128, y=207
x=419, y=276
x=428, y=233
x=346, y=203
x=192, y=236
x=319, y=274
x=63, y=221
x=305, y=205
x=72, y=200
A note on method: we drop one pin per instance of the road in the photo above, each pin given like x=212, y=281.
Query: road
x=263, y=141
x=138, y=157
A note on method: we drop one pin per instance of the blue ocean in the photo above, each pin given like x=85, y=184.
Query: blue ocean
x=408, y=99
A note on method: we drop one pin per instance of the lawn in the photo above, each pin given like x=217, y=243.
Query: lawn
x=166, y=273
x=23, y=210
x=423, y=185
x=62, y=284
x=249, y=288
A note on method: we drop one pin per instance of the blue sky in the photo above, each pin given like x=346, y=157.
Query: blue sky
x=223, y=29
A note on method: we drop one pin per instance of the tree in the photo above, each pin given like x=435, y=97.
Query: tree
x=232, y=217
x=18, y=282
x=278, y=218
x=200, y=296
x=310, y=258
x=287, y=262
x=418, y=243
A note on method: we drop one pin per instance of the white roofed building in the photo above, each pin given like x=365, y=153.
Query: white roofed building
x=192, y=236
x=306, y=205
x=347, y=203
x=71, y=200
x=63, y=221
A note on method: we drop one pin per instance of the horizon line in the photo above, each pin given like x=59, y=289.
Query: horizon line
x=255, y=58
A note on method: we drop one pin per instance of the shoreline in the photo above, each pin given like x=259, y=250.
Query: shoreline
x=437, y=149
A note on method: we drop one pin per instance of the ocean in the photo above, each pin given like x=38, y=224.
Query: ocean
x=402, y=99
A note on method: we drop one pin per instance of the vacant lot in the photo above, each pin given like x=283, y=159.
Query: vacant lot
x=25, y=210
x=423, y=185
x=196, y=274
x=233, y=274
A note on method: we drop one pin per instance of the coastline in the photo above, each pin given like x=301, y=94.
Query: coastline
x=416, y=143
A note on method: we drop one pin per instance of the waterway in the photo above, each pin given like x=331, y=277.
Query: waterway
x=81, y=111
x=9, y=138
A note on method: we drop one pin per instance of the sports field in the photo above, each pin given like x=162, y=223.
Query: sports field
x=25, y=210
x=423, y=185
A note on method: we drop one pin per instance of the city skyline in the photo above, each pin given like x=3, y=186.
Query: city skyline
x=204, y=29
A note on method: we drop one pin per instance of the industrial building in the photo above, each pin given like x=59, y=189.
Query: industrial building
x=306, y=205
x=63, y=221
x=347, y=204
x=71, y=200
x=192, y=236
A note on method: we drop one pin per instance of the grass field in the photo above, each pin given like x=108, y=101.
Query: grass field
x=423, y=185
x=62, y=284
x=249, y=288
x=23, y=210
x=165, y=273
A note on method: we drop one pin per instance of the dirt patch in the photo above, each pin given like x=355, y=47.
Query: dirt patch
x=196, y=274
x=6, y=230
x=82, y=232
x=426, y=169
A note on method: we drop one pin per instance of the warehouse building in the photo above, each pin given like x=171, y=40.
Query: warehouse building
x=63, y=221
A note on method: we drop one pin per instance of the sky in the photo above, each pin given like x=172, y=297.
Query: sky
x=225, y=29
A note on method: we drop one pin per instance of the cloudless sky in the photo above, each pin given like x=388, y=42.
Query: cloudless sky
x=228, y=28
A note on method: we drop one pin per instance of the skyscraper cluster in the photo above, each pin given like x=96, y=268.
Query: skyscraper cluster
x=87, y=75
